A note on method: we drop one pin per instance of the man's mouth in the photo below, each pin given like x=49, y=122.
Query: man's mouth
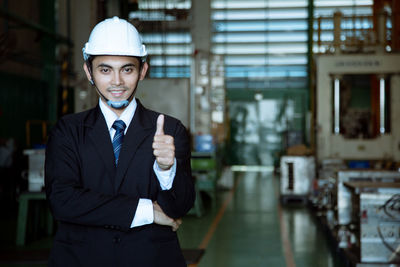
x=117, y=92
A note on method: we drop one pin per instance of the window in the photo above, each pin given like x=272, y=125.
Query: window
x=166, y=36
x=264, y=43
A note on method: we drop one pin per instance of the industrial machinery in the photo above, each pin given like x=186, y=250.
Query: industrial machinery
x=349, y=127
x=358, y=94
x=344, y=206
x=297, y=176
x=357, y=112
x=376, y=215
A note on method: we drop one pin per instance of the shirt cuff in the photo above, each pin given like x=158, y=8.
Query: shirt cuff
x=144, y=213
x=166, y=178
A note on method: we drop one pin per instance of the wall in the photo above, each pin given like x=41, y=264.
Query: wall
x=28, y=68
x=21, y=100
x=169, y=96
x=83, y=17
x=20, y=49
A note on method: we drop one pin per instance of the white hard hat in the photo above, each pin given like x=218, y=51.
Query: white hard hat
x=117, y=37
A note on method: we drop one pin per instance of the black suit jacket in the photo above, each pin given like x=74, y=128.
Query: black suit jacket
x=95, y=201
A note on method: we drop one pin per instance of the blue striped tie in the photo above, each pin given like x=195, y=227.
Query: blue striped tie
x=119, y=127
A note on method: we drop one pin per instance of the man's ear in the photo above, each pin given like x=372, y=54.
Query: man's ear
x=143, y=71
x=88, y=75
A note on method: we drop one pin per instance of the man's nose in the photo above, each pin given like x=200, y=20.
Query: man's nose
x=117, y=79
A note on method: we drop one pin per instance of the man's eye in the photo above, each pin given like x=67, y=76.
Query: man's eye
x=128, y=69
x=104, y=70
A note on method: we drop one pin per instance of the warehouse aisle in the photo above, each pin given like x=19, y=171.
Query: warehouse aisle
x=249, y=228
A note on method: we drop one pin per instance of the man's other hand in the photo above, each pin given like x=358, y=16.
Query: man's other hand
x=161, y=218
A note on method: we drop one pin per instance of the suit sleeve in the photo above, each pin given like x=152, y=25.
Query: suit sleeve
x=177, y=201
x=69, y=200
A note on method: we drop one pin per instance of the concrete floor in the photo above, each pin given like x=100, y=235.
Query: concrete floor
x=255, y=230
x=246, y=227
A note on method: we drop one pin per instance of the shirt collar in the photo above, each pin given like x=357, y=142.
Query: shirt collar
x=126, y=115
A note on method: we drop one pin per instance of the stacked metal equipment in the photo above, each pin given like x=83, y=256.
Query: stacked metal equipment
x=343, y=225
x=344, y=204
x=324, y=194
x=376, y=216
x=35, y=172
x=361, y=209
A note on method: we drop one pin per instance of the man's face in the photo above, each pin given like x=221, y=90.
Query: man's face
x=116, y=77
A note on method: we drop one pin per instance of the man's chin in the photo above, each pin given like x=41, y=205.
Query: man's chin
x=121, y=97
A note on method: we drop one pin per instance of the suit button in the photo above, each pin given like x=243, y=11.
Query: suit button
x=116, y=239
x=112, y=226
x=106, y=226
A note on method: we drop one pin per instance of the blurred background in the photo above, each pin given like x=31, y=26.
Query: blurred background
x=293, y=108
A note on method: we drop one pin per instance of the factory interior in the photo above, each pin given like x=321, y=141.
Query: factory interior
x=292, y=107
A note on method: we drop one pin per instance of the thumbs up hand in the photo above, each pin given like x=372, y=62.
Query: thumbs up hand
x=163, y=146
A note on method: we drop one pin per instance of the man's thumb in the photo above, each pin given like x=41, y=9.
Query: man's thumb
x=160, y=125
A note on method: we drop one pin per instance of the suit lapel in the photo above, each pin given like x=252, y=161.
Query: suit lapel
x=138, y=130
x=101, y=140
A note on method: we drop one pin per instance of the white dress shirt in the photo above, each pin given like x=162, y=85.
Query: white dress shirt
x=144, y=211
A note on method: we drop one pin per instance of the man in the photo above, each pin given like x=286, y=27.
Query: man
x=118, y=176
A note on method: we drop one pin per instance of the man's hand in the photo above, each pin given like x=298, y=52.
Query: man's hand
x=161, y=218
x=163, y=146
